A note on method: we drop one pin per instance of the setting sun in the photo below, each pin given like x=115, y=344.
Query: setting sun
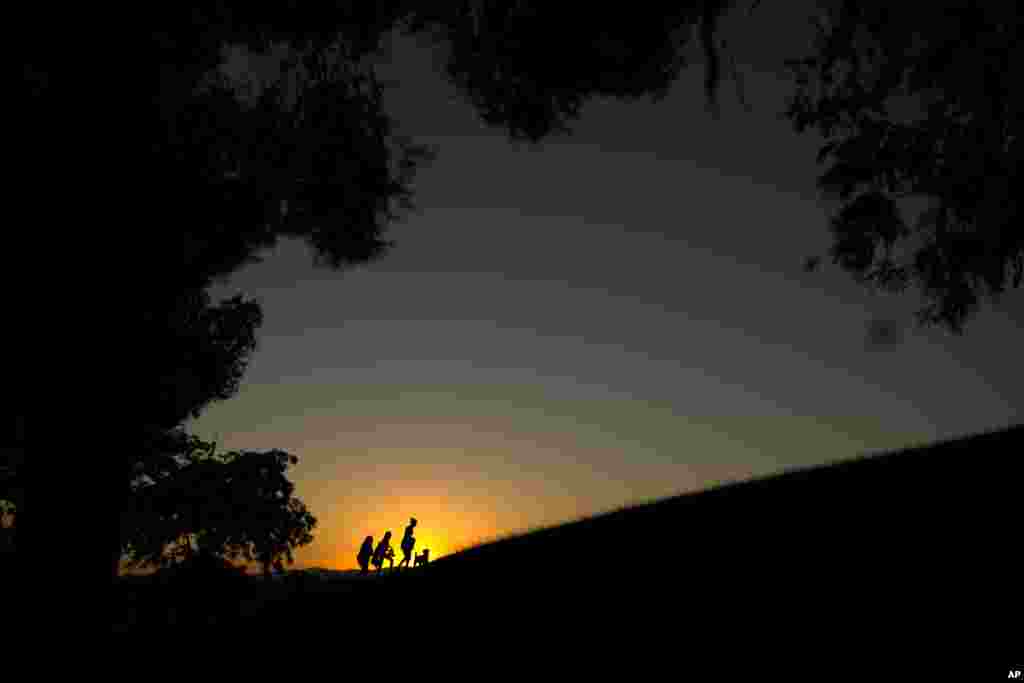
x=444, y=525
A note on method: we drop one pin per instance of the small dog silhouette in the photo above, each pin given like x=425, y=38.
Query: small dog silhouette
x=422, y=558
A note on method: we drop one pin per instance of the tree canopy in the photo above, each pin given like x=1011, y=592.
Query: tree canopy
x=236, y=505
x=959, y=63
x=528, y=67
x=313, y=156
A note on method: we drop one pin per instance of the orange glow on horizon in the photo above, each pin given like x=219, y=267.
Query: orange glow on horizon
x=444, y=526
x=495, y=485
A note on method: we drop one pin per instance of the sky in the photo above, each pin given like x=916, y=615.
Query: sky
x=608, y=318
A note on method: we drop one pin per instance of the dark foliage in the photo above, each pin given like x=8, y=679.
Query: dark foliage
x=528, y=67
x=895, y=546
x=229, y=505
x=221, y=177
x=959, y=62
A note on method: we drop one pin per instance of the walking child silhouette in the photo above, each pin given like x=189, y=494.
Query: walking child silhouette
x=408, y=543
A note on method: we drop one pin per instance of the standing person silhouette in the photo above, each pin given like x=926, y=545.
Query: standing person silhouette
x=365, y=553
x=383, y=551
x=408, y=543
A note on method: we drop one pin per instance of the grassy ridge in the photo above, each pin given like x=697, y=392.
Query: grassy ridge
x=911, y=537
x=903, y=540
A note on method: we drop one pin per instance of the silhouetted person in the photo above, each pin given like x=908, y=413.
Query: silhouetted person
x=383, y=552
x=365, y=553
x=408, y=543
x=422, y=558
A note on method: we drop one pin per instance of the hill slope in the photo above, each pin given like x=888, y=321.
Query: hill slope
x=920, y=546
x=924, y=537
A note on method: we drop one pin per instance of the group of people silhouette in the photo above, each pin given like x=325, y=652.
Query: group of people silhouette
x=384, y=552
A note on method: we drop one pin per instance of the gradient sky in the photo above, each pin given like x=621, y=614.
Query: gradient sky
x=607, y=318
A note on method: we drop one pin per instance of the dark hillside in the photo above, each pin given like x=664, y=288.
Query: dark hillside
x=923, y=537
x=887, y=548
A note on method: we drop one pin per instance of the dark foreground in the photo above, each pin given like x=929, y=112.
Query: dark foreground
x=924, y=543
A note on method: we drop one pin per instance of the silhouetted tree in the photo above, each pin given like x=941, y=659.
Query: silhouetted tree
x=193, y=353
x=232, y=505
x=221, y=176
x=959, y=62
x=528, y=67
